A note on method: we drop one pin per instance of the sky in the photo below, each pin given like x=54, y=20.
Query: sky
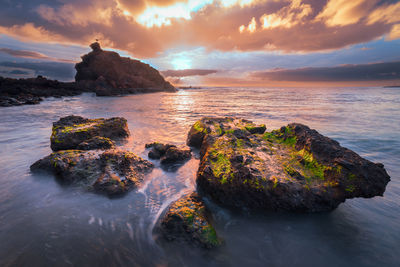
x=210, y=42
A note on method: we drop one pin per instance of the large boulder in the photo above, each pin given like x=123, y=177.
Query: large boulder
x=75, y=132
x=188, y=220
x=294, y=168
x=111, y=172
x=110, y=74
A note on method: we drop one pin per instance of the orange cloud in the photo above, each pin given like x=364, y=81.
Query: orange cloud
x=32, y=55
x=386, y=14
x=394, y=33
x=29, y=32
x=291, y=26
x=344, y=12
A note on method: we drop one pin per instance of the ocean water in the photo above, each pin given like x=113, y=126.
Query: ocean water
x=45, y=223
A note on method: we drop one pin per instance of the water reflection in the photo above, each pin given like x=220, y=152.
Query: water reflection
x=45, y=223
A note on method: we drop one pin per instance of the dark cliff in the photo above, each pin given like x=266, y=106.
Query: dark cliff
x=107, y=73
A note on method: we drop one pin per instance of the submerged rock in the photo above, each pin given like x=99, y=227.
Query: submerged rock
x=75, y=132
x=294, y=168
x=111, y=74
x=187, y=219
x=168, y=153
x=111, y=172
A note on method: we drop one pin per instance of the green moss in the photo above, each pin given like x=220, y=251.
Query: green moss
x=221, y=167
x=275, y=180
x=290, y=170
x=199, y=126
x=218, y=129
x=210, y=236
x=231, y=131
x=252, y=128
x=350, y=188
x=239, y=143
x=314, y=168
x=351, y=176
x=286, y=137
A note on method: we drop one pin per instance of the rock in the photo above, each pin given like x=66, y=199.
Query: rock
x=111, y=172
x=187, y=220
x=168, y=154
x=73, y=132
x=16, y=92
x=176, y=155
x=157, y=149
x=111, y=74
x=96, y=142
x=294, y=168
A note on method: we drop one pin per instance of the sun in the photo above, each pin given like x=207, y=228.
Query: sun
x=181, y=63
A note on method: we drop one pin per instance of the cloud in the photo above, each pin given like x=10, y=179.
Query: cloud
x=52, y=70
x=360, y=72
x=395, y=32
x=15, y=72
x=30, y=54
x=290, y=26
x=188, y=72
x=388, y=13
x=344, y=12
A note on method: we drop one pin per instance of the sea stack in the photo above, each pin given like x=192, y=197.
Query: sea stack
x=107, y=73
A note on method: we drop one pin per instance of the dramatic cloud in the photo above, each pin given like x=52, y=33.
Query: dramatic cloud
x=187, y=72
x=30, y=54
x=146, y=28
x=53, y=70
x=362, y=72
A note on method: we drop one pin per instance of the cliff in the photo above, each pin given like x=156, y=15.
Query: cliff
x=107, y=73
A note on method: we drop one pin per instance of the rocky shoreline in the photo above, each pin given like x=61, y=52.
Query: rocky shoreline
x=243, y=166
x=105, y=73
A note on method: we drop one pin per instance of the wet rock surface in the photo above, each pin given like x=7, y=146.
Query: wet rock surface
x=16, y=92
x=294, y=168
x=112, y=172
x=96, y=142
x=75, y=132
x=110, y=74
x=188, y=220
x=168, y=154
x=78, y=159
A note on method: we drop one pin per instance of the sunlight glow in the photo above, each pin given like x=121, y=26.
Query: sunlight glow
x=181, y=63
x=159, y=16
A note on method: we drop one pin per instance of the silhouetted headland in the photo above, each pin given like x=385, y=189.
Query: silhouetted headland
x=105, y=73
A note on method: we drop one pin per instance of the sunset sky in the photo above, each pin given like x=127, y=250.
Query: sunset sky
x=211, y=42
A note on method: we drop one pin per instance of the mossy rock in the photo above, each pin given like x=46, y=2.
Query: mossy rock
x=168, y=154
x=188, y=220
x=293, y=168
x=112, y=172
x=73, y=132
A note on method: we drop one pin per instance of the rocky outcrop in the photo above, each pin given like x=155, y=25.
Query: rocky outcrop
x=293, y=168
x=104, y=72
x=168, y=154
x=188, y=220
x=16, y=92
x=75, y=132
x=110, y=74
x=77, y=159
x=112, y=172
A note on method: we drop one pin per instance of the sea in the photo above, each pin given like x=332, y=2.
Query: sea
x=46, y=223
